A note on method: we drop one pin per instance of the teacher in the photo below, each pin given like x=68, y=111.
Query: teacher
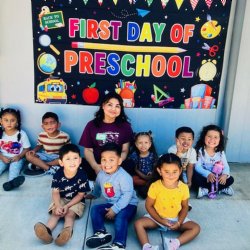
x=109, y=125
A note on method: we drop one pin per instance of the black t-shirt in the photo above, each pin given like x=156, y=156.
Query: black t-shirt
x=69, y=188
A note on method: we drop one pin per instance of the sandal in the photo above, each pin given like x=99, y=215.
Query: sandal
x=64, y=236
x=43, y=233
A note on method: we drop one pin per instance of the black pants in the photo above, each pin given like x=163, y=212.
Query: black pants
x=200, y=181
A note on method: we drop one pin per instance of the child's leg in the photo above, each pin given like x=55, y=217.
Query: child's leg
x=200, y=181
x=66, y=233
x=34, y=159
x=189, y=231
x=140, y=227
x=97, y=214
x=228, y=183
x=190, y=171
x=52, y=222
x=121, y=223
x=3, y=166
x=15, y=168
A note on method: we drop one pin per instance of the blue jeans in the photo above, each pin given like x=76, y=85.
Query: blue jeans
x=121, y=220
x=14, y=168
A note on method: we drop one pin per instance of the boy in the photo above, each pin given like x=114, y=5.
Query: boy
x=116, y=185
x=50, y=140
x=184, y=150
x=68, y=190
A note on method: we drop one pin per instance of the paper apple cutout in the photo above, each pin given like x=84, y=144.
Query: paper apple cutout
x=91, y=94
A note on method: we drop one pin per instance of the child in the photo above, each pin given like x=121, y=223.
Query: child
x=144, y=157
x=116, y=185
x=210, y=150
x=50, y=140
x=68, y=190
x=184, y=137
x=167, y=206
x=14, y=143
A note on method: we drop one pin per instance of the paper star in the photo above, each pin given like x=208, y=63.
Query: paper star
x=106, y=92
x=197, y=19
x=198, y=54
x=182, y=90
x=59, y=37
x=73, y=96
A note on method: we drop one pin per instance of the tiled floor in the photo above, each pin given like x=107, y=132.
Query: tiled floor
x=224, y=221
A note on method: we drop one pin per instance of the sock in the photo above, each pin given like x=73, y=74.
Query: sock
x=177, y=242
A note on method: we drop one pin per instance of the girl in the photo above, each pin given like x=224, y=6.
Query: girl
x=210, y=151
x=167, y=206
x=144, y=158
x=14, y=143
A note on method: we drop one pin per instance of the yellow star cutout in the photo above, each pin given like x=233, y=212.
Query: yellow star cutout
x=197, y=19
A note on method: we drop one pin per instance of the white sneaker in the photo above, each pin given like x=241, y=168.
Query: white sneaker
x=148, y=246
x=229, y=191
x=202, y=192
x=52, y=170
x=171, y=244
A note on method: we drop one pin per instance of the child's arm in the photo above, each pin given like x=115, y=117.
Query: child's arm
x=20, y=156
x=5, y=159
x=149, y=204
x=226, y=170
x=182, y=215
x=56, y=200
x=74, y=201
x=34, y=150
x=190, y=170
x=143, y=176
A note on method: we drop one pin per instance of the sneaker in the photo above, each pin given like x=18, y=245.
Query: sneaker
x=33, y=173
x=16, y=182
x=31, y=166
x=43, y=233
x=148, y=246
x=52, y=170
x=228, y=191
x=98, y=239
x=171, y=244
x=113, y=246
x=202, y=192
x=189, y=207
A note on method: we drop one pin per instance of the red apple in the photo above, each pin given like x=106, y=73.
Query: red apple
x=91, y=94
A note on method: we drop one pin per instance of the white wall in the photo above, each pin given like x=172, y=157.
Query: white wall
x=17, y=88
x=238, y=149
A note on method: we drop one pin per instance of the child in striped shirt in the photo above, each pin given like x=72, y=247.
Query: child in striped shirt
x=44, y=157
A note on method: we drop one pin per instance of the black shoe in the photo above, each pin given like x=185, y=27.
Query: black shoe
x=98, y=239
x=16, y=182
x=36, y=172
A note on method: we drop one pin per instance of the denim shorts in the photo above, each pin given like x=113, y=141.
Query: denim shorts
x=165, y=228
x=47, y=157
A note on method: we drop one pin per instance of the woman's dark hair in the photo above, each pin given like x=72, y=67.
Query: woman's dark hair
x=16, y=113
x=168, y=158
x=99, y=115
x=151, y=149
x=201, y=141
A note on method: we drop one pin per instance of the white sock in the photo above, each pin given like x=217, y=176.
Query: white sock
x=146, y=245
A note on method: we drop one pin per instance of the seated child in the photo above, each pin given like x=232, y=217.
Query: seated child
x=69, y=186
x=183, y=149
x=144, y=157
x=167, y=206
x=212, y=172
x=116, y=186
x=50, y=141
x=14, y=143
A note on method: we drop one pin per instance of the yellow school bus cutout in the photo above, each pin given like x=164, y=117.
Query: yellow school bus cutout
x=52, y=91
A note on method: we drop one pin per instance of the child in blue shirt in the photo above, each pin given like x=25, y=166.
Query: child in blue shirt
x=116, y=186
